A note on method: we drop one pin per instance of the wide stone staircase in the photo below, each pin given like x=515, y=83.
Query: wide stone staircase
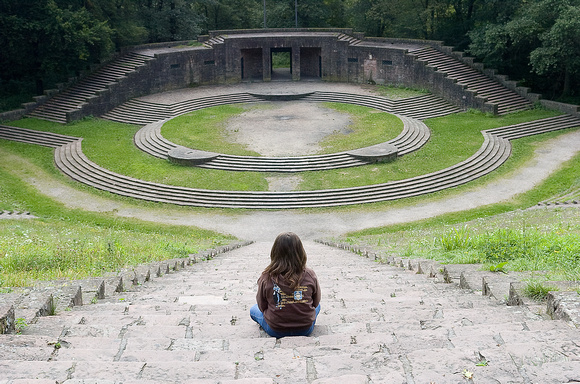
x=30, y=136
x=72, y=98
x=141, y=112
x=379, y=324
x=508, y=101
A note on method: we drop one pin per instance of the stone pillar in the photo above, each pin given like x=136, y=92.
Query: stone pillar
x=267, y=64
x=295, y=63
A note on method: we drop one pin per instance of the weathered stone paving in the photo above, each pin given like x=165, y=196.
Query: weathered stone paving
x=379, y=324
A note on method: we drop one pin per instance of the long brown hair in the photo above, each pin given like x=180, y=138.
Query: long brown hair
x=287, y=259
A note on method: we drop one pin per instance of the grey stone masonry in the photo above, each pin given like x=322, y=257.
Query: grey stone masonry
x=245, y=56
x=379, y=324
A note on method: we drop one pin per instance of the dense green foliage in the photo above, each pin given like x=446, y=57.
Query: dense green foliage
x=47, y=41
x=539, y=43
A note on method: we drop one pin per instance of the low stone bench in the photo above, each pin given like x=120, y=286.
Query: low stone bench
x=376, y=153
x=190, y=157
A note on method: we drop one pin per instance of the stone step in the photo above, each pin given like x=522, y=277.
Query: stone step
x=508, y=100
x=56, y=108
x=176, y=329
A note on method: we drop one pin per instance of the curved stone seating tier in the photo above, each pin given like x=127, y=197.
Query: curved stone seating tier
x=536, y=127
x=281, y=164
x=414, y=135
x=29, y=136
x=507, y=100
x=419, y=107
x=56, y=108
x=71, y=161
x=142, y=112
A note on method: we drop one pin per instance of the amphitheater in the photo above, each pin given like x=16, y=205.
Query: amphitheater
x=185, y=320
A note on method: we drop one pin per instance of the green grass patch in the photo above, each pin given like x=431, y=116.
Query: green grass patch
x=205, y=129
x=53, y=249
x=538, y=290
x=369, y=126
x=543, y=240
x=72, y=244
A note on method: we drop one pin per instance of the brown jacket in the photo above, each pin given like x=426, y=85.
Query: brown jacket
x=285, y=309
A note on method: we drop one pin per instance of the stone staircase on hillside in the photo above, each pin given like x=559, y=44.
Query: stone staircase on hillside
x=378, y=324
x=496, y=93
x=72, y=98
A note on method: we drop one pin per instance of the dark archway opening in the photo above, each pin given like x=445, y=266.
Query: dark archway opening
x=281, y=63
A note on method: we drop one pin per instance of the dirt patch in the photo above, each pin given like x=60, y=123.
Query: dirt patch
x=283, y=183
x=286, y=128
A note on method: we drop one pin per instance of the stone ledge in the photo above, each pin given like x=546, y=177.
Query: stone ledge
x=505, y=288
x=565, y=306
x=376, y=153
x=7, y=319
x=281, y=96
x=190, y=157
x=49, y=297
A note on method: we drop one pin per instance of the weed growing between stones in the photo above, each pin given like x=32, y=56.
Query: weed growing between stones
x=538, y=291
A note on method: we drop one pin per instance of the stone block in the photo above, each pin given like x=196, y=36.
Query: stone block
x=564, y=306
x=7, y=320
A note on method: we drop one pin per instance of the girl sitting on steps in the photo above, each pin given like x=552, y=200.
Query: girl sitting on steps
x=288, y=292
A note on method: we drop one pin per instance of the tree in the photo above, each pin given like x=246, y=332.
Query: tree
x=122, y=17
x=169, y=20
x=229, y=14
x=49, y=42
x=559, y=54
x=539, y=43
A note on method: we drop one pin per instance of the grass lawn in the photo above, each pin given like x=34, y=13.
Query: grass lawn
x=72, y=244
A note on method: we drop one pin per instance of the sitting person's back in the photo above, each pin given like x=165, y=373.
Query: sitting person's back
x=288, y=292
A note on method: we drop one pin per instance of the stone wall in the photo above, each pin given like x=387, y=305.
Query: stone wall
x=245, y=55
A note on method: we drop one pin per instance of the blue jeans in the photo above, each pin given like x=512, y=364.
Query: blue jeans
x=258, y=317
